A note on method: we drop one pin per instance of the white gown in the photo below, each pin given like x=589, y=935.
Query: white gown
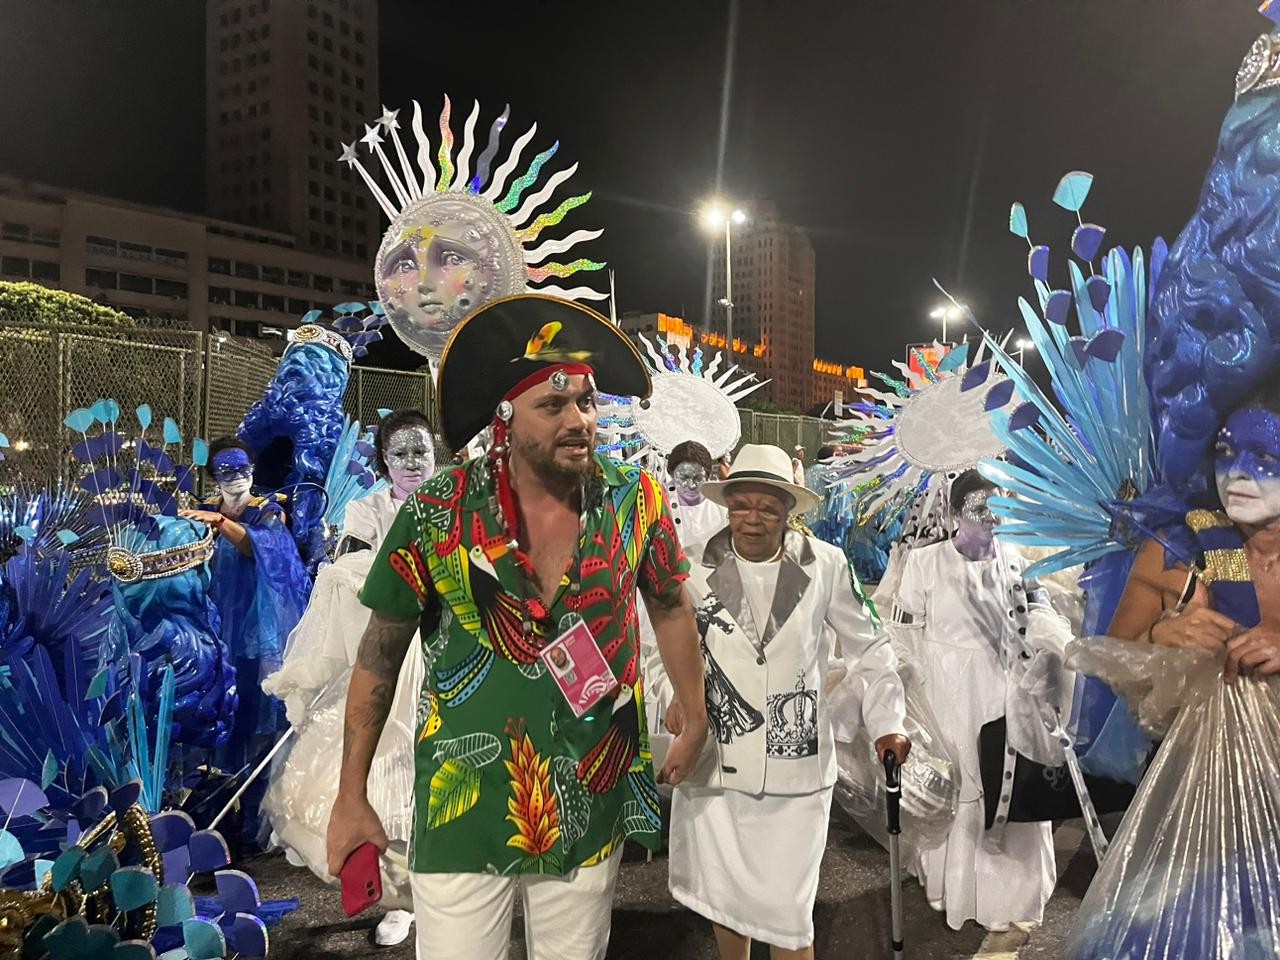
x=317, y=664
x=966, y=608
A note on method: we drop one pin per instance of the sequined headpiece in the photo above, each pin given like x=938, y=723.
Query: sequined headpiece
x=310, y=333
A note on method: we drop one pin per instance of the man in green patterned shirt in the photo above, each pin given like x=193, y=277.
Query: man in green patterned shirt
x=521, y=569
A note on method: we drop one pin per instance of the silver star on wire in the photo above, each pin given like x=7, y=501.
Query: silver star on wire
x=388, y=118
x=371, y=137
x=349, y=153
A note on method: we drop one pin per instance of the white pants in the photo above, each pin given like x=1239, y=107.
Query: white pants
x=467, y=916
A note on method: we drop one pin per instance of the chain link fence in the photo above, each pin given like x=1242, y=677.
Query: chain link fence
x=236, y=376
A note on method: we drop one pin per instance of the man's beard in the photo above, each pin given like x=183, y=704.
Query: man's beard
x=542, y=460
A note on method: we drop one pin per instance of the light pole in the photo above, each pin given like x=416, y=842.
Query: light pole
x=948, y=311
x=1023, y=346
x=713, y=216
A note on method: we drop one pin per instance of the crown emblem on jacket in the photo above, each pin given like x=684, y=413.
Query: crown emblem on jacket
x=793, y=723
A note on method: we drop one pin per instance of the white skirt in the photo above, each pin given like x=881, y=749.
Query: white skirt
x=971, y=879
x=750, y=863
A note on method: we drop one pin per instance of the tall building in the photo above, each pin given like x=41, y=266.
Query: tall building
x=180, y=269
x=287, y=83
x=832, y=381
x=773, y=300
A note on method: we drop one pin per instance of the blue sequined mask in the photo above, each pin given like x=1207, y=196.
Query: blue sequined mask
x=232, y=464
x=1249, y=445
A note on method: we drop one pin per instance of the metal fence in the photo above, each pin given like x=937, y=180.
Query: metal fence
x=784, y=430
x=206, y=383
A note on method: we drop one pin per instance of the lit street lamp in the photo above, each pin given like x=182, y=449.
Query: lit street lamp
x=948, y=311
x=1023, y=346
x=713, y=217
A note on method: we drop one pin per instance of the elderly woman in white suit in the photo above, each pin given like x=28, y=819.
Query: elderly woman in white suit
x=749, y=827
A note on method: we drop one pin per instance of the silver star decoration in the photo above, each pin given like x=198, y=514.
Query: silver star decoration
x=371, y=137
x=349, y=153
x=388, y=118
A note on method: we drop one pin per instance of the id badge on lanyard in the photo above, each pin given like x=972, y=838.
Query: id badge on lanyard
x=578, y=667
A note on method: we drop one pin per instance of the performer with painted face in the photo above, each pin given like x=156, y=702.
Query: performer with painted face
x=959, y=607
x=259, y=586
x=690, y=466
x=750, y=825
x=317, y=670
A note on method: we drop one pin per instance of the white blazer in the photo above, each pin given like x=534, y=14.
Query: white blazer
x=771, y=731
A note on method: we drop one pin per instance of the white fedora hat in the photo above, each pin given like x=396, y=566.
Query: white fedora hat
x=767, y=465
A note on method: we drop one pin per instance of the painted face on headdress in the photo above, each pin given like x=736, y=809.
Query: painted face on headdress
x=233, y=472
x=1247, y=467
x=976, y=510
x=440, y=261
x=689, y=477
x=410, y=460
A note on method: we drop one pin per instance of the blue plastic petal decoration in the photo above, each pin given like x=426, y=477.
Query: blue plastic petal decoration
x=975, y=376
x=382, y=412
x=133, y=887
x=105, y=444
x=998, y=395
x=1073, y=190
x=1106, y=345
x=208, y=851
x=1024, y=416
x=171, y=432
x=98, y=867
x=67, y=868
x=79, y=420
x=43, y=872
x=237, y=891
x=199, y=452
x=125, y=796
x=364, y=448
x=67, y=940
x=1099, y=292
x=1080, y=347
x=177, y=953
x=376, y=308
x=143, y=413
x=48, y=770
x=248, y=935
x=174, y=904
x=133, y=950
x=21, y=798
x=203, y=939
x=102, y=411
x=113, y=411
x=350, y=308
x=1018, y=221
x=1087, y=240
x=25, y=533
x=311, y=316
x=67, y=537
x=1038, y=263
x=101, y=480
x=4, y=440
x=1058, y=307
x=10, y=850
x=171, y=829
x=177, y=862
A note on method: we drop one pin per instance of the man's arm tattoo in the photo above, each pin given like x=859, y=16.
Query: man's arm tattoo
x=384, y=645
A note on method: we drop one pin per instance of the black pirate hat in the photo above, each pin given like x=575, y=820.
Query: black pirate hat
x=507, y=342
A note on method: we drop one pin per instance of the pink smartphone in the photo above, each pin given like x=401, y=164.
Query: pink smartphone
x=361, y=880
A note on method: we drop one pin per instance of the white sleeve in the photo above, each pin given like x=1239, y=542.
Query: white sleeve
x=910, y=596
x=361, y=522
x=868, y=654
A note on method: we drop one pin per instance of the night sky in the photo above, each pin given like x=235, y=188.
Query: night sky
x=895, y=133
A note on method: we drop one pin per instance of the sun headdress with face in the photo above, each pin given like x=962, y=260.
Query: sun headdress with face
x=463, y=232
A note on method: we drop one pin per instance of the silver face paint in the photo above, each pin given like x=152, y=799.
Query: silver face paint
x=409, y=454
x=976, y=510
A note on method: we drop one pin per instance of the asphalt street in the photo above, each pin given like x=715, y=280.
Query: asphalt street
x=851, y=916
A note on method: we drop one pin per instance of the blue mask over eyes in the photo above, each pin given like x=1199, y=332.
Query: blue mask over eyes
x=1249, y=445
x=232, y=464
x=1247, y=467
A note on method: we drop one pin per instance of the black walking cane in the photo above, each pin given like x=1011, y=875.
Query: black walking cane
x=893, y=798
